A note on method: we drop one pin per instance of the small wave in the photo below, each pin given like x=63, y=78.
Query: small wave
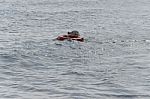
x=8, y=58
x=125, y=96
x=73, y=73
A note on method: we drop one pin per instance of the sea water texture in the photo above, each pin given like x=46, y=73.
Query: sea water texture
x=112, y=63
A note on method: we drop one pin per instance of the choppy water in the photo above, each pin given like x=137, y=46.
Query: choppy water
x=113, y=62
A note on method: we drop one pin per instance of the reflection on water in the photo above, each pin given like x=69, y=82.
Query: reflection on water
x=112, y=63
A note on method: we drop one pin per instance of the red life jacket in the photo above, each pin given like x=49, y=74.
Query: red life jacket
x=69, y=37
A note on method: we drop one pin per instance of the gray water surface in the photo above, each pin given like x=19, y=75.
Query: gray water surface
x=112, y=63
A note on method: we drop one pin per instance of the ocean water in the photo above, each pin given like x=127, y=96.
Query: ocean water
x=112, y=63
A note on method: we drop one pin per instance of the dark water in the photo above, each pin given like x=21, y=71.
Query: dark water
x=112, y=63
